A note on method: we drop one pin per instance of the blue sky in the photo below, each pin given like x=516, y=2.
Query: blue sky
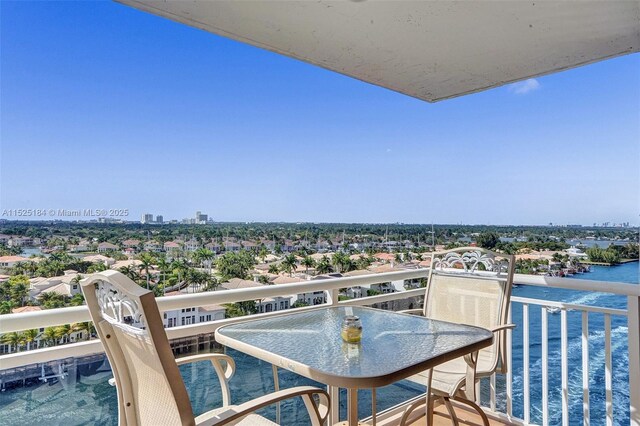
x=107, y=107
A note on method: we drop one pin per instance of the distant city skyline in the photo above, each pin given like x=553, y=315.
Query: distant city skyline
x=106, y=107
x=161, y=220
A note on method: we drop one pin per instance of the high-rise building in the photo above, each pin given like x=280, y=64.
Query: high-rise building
x=147, y=218
x=159, y=219
x=201, y=218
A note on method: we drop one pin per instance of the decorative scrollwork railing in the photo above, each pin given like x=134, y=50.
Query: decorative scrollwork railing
x=471, y=261
x=117, y=306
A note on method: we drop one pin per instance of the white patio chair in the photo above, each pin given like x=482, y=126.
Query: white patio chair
x=467, y=286
x=149, y=385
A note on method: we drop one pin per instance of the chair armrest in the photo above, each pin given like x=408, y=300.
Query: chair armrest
x=502, y=327
x=499, y=331
x=224, y=372
x=411, y=311
x=470, y=377
x=318, y=413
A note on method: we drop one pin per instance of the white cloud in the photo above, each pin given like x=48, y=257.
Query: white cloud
x=524, y=87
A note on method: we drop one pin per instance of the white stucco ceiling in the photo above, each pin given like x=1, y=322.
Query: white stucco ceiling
x=431, y=50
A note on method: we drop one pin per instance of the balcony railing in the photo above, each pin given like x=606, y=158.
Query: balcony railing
x=510, y=398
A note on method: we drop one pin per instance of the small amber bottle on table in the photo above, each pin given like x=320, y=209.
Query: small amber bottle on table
x=351, y=329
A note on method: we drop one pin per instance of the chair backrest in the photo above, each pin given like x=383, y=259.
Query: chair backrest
x=472, y=286
x=149, y=385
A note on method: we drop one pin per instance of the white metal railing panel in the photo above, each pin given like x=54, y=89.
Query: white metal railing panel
x=585, y=368
x=633, y=331
x=545, y=366
x=608, y=379
x=509, y=376
x=564, y=359
x=526, y=391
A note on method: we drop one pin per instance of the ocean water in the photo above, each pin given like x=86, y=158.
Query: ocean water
x=85, y=398
x=627, y=273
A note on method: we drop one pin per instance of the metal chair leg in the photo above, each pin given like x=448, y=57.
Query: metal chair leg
x=409, y=410
x=429, y=415
x=452, y=412
x=476, y=407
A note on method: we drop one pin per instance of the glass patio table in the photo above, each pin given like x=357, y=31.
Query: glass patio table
x=394, y=346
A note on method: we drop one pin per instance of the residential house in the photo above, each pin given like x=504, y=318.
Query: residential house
x=195, y=315
x=131, y=243
x=269, y=244
x=263, y=305
x=214, y=246
x=322, y=245
x=106, y=247
x=288, y=246
x=230, y=246
x=249, y=245
x=153, y=246
x=11, y=261
x=311, y=298
x=192, y=245
x=65, y=285
x=99, y=258
x=132, y=263
x=22, y=241
x=172, y=247
x=83, y=245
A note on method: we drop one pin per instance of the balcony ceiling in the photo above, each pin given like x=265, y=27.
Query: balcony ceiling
x=431, y=50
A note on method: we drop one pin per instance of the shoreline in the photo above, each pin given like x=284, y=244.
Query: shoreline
x=623, y=261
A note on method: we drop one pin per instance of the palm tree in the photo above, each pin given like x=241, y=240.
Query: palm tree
x=81, y=327
x=13, y=339
x=240, y=309
x=18, y=269
x=31, y=267
x=62, y=331
x=263, y=253
x=61, y=256
x=19, y=293
x=96, y=267
x=50, y=336
x=363, y=262
x=164, y=267
x=323, y=266
x=30, y=336
x=273, y=269
x=130, y=272
x=338, y=261
x=147, y=263
x=49, y=300
x=195, y=277
x=77, y=300
x=204, y=256
x=288, y=264
x=308, y=262
x=180, y=268
x=54, y=268
x=6, y=307
x=210, y=283
x=348, y=264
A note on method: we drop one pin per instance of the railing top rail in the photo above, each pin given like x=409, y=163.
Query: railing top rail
x=568, y=306
x=622, y=289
